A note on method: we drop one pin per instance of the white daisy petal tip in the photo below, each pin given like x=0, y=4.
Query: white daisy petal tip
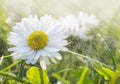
x=59, y=57
x=43, y=64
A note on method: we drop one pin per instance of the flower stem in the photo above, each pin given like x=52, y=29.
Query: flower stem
x=91, y=59
x=7, y=56
x=10, y=66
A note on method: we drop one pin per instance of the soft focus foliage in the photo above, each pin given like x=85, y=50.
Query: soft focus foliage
x=4, y=29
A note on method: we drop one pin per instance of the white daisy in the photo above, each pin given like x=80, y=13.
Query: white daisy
x=79, y=25
x=70, y=25
x=33, y=39
x=87, y=23
x=87, y=20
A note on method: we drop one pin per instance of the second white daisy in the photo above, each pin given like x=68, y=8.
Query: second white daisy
x=33, y=39
x=79, y=25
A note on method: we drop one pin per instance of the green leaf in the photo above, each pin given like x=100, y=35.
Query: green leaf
x=108, y=74
x=82, y=77
x=45, y=77
x=37, y=76
x=57, y=76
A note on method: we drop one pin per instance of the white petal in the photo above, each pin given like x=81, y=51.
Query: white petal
x=57, y=43
x=31, y=58
x=34, y=61
x=24, y=50
x=42, y=64
x=53, y=59
x=46, y=60
x=37, y=55
x=16, y=56
x=58, y=56
x=51, y=48
x=27, y=54
x=28, y=61
x=64, y=49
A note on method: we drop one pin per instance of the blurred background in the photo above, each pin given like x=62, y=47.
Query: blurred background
x=104, y=9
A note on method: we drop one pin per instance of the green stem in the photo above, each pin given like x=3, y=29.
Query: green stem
x=20, y=70
x=10, y=66
x=13, y=77
x=114, y=64
x=42, y=80
x=91, y=59
x=7, y=56
x=64, y=70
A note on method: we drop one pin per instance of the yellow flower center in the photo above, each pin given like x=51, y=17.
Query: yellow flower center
x=37, y=40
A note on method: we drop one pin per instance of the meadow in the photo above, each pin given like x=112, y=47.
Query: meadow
x=83, y=48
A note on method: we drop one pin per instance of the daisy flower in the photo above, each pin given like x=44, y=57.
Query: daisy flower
x=70, y=25
x=35, y=39
x=87, y=20
x=79, y=25
x=87, y=23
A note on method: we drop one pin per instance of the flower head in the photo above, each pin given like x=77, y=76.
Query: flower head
x=87, y=20
x=35, y=39
x=79, y=25
x=70, y=24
